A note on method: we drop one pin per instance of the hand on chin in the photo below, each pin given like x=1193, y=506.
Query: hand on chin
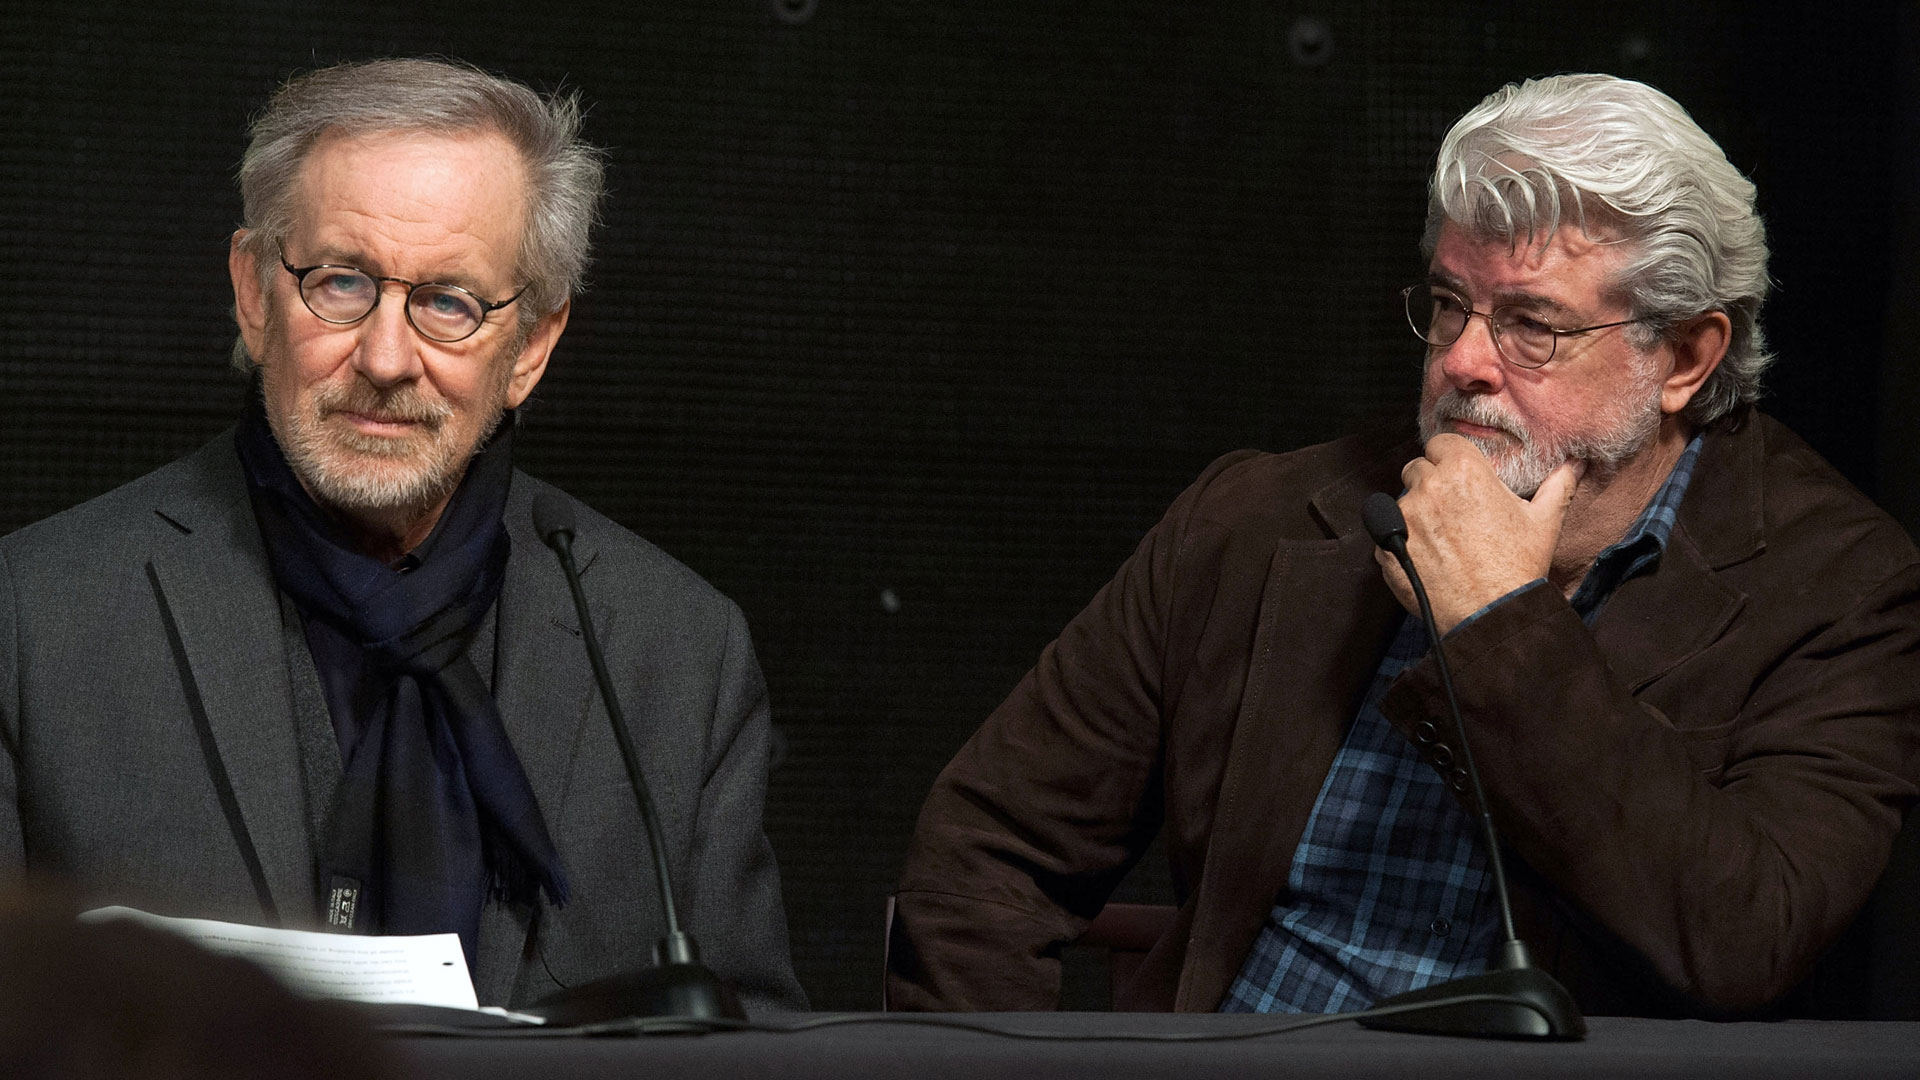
x=1473, y=540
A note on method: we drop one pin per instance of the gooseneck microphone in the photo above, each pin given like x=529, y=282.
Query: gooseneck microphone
x=678, y=986
x=1512, y=999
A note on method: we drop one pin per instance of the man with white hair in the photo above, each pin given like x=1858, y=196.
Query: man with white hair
x=1688, y=653
x=323, y=671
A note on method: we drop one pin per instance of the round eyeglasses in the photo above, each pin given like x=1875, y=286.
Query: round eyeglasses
x=1439, y=316
x=346, y=294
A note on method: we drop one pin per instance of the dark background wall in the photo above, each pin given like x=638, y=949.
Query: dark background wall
x=909, y=318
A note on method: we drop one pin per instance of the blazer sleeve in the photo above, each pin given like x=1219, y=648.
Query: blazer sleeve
x=733, y=898
x=1036, y=819
x=1726, y=851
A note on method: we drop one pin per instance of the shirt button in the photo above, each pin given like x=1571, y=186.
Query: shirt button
x=1458, y=781
x=1440, y=926
x=1442, y=757
x=1424, y=732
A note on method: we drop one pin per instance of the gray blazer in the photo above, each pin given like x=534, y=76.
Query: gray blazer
x=166, y=743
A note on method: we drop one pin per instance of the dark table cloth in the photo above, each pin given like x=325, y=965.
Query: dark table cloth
x=1615, y=1047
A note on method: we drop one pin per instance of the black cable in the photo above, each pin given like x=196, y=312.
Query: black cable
x=636, y=1027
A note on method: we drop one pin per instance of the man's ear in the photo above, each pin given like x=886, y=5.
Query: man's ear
x=531, y=363
x=1697, y=348
x=249, y=304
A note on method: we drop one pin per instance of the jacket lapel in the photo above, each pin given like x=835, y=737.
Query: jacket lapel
x=1660, y=620
x=543, y=686
x=219, y=603
x=1325, y=616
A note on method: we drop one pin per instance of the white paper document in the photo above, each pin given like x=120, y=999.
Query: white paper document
x=429, y=969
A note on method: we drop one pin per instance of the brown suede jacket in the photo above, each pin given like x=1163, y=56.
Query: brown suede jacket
x=1698, y=792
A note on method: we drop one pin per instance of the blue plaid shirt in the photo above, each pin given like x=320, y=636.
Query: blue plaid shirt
x=1388, y=890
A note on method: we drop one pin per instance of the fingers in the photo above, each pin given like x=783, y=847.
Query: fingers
x=1446, y=445
x=1412, y=472
x=1549, y=503
x=1451, y=454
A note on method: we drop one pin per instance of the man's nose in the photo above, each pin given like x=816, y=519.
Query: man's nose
x=1473, y=362
x=389, y=349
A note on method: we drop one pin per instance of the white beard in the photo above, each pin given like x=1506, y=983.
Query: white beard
x=1608, y=441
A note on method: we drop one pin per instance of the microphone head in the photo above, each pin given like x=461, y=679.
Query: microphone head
x=552, y=517
x=1381, y=515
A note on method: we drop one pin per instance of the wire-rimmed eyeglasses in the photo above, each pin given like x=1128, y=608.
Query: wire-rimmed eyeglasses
x=1439, y=316
x=342, y=295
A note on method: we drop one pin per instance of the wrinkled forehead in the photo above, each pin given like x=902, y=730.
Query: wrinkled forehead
x=458, y=199
x=1588, y=242
x=1566, y=272
x=414, y=173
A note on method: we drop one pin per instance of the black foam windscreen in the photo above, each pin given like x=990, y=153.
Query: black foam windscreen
x=1381, y=516
x=552, y=516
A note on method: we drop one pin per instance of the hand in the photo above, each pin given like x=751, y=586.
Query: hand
x=1472, y=540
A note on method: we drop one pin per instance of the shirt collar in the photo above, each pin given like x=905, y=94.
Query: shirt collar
x=1640, y=549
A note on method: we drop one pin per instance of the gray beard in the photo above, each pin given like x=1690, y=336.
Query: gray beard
x=405, y=475
x=335, y=465
x=1524, y=469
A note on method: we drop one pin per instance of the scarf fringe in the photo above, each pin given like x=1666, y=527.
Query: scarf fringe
x=514, y=880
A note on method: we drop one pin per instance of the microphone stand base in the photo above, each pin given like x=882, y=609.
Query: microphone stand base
x=675, y=998
x=1522, y=1003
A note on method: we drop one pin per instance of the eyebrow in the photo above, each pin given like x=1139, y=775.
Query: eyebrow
x=335, y=256
x=1537, y=301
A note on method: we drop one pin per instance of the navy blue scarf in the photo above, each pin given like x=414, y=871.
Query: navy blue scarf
x=434, y=813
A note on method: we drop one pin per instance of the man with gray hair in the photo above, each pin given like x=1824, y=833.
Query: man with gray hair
x=1684, y=647
x=323, y=670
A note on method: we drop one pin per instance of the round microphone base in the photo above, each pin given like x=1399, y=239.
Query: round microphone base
x=688, y=997
x=1523, y=1003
